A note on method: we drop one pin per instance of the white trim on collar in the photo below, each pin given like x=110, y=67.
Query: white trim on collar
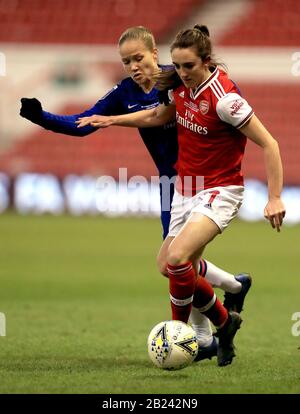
x=204, y=84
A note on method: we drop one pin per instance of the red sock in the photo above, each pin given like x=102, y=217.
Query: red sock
x=182, y=281
x=206, y=300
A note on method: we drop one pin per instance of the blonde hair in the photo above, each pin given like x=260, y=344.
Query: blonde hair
x=139, y=33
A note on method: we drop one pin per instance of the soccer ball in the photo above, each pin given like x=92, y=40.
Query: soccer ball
x=172, y=345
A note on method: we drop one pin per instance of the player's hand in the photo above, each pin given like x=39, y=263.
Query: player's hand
x=31, y=109
x=275, y=212
x=97, y=121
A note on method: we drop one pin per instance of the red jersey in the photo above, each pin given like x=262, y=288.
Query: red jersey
x=210, y=144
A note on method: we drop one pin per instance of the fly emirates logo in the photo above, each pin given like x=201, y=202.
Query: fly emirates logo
x=187, y=122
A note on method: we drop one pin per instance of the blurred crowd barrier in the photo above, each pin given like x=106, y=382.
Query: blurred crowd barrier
x=87, y=195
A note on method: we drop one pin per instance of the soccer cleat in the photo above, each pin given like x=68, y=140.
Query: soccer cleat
x=226, y=334
x=235, y=301
x=207, y=352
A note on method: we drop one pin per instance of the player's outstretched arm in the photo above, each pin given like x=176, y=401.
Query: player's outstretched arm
x=32, y=110
x=142, y=119
x=274, y=210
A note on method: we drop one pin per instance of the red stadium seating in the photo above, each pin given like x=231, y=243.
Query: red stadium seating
x=106, y=151
x=78, y=21
x=92, y=22
x=269, y=23
x=280, y=116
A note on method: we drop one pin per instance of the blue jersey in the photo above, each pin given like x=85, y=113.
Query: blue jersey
x=127, y=97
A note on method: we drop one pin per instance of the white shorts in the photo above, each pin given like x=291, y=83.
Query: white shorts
x=220, y=204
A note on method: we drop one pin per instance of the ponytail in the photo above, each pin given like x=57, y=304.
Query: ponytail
x=197, y=38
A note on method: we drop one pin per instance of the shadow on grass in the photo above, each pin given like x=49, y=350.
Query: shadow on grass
x=44, y=364
x=59, y=363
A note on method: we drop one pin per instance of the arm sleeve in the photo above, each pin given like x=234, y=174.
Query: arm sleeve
x=234, y=110
x=109, y=104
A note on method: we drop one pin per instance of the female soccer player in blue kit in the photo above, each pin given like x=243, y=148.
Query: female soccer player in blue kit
x=139, y=56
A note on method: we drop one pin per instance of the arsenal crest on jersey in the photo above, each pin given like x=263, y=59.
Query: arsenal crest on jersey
x=204, y=107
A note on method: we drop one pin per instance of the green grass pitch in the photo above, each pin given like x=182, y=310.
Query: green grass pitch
x=80, y=296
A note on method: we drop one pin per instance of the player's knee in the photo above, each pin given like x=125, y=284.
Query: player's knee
x=176, y=256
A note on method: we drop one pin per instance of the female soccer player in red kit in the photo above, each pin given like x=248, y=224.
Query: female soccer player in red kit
x=213, y=122
x=136, y=92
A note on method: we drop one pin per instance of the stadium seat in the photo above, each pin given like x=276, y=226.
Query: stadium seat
x=268, y=23
x=42, y=21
